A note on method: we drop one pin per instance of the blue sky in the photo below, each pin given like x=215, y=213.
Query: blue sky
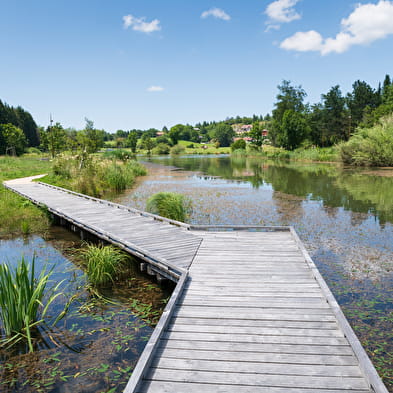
x=153, y=63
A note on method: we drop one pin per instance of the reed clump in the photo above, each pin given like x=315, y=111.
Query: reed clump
x=170, y=205
x=24, y=301
x=103, y=264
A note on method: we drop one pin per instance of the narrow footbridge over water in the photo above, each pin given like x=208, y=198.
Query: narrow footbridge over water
x=250, y=311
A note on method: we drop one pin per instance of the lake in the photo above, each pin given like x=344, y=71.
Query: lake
x=343, y=216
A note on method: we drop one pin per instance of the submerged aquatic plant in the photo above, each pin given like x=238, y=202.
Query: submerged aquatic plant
x=22, y=305
x=170, y=205
x=102, y=263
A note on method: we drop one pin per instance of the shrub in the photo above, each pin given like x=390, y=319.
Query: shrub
x=239, y=144
x=370, y=146
x=177, y=150
x=162, y=148
x=102, y=264
x=21, y=300
x=170, y=205
x=118, y=154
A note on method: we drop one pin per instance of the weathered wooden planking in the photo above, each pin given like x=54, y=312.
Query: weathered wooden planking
x=257, y=323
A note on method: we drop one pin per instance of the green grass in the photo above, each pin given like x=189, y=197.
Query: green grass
x=21, y=300
x=102, y=264
x=170, y=205
x=17, y=215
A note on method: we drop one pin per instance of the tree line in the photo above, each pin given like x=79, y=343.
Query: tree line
x=293, y=123
x=17, y=130
x=333, y=119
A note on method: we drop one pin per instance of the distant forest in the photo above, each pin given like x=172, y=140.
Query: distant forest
x=292, y=123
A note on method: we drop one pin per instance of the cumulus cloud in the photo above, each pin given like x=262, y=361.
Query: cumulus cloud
x=139, y=24
x=217, y=13
x=155, y=89
x=281, y=11
x=366, y=24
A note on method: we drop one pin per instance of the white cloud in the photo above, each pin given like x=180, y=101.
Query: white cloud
x=139, y=24
x=155, y=89
x=281, y=11
x=217, y=13
x=303, y=42
x=366, y=24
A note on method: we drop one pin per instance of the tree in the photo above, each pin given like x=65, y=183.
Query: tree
x=224, y=134
x=335, y=117
x=294, y=130
x=289, y=98
x=90, y=139
x=54, y=139
x=175, y=133
x=28, y=126
x=132, y=140
x=148, y=144
x=256, y=135
x=15, y=139
x=362, y=95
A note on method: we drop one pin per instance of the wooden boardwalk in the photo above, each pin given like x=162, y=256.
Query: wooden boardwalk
x=250, y=312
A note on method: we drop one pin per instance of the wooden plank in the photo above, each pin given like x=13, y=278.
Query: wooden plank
x=253, y=338
x=265, y=380
x=181, y=387
x=256, y=367
x=259, y=357
x=256, y=331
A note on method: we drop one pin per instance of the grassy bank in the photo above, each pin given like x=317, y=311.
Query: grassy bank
x=17, y=215
x=316, y=154
x=94, y=176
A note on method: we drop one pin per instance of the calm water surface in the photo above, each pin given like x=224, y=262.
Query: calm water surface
x=96, y=346
x=344, y=217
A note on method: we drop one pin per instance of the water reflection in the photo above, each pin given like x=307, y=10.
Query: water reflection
x=354, y=190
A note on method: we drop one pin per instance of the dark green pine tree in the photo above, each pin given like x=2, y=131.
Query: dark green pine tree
x=29, y=126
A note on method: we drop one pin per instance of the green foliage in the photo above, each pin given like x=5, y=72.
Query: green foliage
x=21, y=119
x=103, y=264
x=162, y=148
x=14, y=139
x=256, y=135
x=239, y=144
x=370, y=146
x=118, y=154
x=132, y=141
x=294, y=130
x=148, y=143
x=94, y=176
x=177, y=150
x=224, y=134
x=90, y=139
x=170, y=205
x=22, y=305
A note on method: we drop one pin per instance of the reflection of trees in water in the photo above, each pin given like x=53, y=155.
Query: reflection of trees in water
x=290, y=209
x=332, y=185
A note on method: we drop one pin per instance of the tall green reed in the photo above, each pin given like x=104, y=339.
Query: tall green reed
x=22, y=305
x=102, y=263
